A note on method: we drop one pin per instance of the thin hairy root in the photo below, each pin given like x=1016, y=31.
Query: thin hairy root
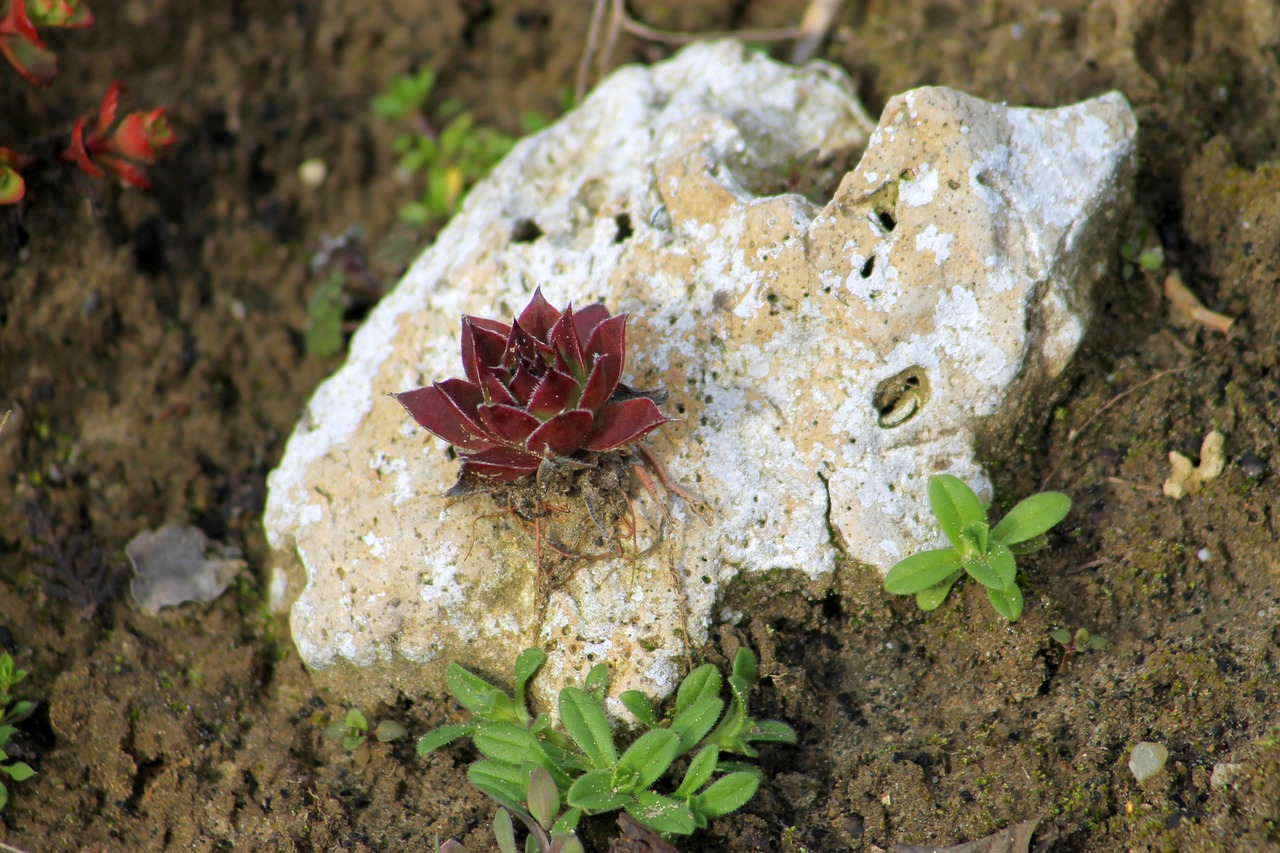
x=696, y=504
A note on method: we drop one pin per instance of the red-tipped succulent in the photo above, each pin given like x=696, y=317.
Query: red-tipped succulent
x=546, y=386
x=140, y=137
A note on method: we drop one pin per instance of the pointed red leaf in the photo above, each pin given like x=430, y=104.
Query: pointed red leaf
x=564, y=340
x=524, y=347
x=586, y=319
x=508, y=424
x=563, y=434
x=499, y=465
x=107, y=109
x=125, y=171
x=142, y=136
x=483, y=342
x=609, y=338
x=601, y=382
x=19, y=23
x=495, y=390
x=538, y=317
x=523, y=384
x=556, y=391
x=448, y=410
x=76, y=153
x=35, y=62
x=619, y=424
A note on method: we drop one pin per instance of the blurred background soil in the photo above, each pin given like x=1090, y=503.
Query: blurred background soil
x=154, y=355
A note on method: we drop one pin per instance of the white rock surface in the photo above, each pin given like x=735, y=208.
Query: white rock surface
x=962, y=251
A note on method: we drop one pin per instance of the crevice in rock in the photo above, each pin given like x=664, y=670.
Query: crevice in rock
x=623, y=221
x=525, y=231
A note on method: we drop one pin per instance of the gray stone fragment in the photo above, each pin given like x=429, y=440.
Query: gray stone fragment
x=824, y=357
x=173, y=565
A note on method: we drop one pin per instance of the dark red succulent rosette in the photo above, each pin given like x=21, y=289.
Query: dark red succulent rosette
x=545, y=386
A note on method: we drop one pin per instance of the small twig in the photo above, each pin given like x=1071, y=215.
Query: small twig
x=1137, y=486
x=621, y=20
x=5, y=847
x=1185, y=303
x=5, y=421
x=814, y=27
x=593, y=36
x=639, y=30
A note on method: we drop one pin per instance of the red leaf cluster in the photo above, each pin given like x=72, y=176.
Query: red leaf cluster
x=21, y=43
x=547, y=385
x=140, y=137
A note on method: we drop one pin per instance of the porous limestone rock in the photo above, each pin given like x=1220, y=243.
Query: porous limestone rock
x=824, y=355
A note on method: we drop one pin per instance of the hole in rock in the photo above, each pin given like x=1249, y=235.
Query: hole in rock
x=525, y=231
x=901, y=397
x=886, y=220
x=623, y=221
x=868, y=267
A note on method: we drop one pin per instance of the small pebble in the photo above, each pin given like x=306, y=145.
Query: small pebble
x=1147, y=759
x=1252, y=465
x=1203, y=555
x=312, y=172
x=1224, y=774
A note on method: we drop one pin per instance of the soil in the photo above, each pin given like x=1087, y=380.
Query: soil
x=153, y=354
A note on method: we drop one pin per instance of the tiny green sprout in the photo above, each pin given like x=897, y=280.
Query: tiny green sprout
x=1080, y=641
x=352, y=731
x=10, y=713
x=985, y=553
x=549, y=778
x=444, y=145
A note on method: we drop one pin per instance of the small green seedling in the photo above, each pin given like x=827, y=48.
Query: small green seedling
x=445, y=146
x=550, y=778
x=1080, y=641
x=1140, y=253
x=11, y=712
x=985, y=553
x=352, y=731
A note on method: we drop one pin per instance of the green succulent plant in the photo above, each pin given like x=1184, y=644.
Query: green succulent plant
x=986, y=554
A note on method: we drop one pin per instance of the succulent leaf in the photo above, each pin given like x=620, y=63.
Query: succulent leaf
x=620, y=424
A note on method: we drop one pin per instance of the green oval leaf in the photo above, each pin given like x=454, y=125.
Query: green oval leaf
x=727, y=795
x=527, y=665
x=1032, y=516
x=477, y=695
x=640, y=707
x=995, y=569
x=699, y=773
x=954, y=505
x=444, y=735
x=593, y=792
x=584, y=720
x=693, y=723
x=702, y=682
x=505, y=742
x=19, y=771
x=662, y=814
x=1007, y=602
x=921, y=571
x=651, y=755
x=932, y=598
x=503, y=782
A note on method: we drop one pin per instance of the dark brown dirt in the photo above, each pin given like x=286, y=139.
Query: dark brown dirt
x=151, y=351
